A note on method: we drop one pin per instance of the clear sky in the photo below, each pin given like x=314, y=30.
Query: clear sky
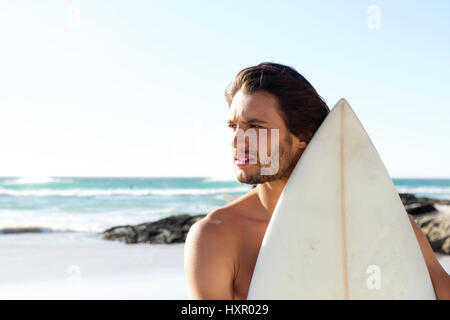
x=135, y=88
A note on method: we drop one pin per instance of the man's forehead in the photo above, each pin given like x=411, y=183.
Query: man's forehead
x=257, y=106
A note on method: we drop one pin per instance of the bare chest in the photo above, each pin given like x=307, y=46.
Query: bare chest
x=251, y=239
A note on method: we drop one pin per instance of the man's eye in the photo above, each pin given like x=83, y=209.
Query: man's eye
x=233, y=126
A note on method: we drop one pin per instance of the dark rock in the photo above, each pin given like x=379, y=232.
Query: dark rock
x=14, y=230
x=408, y=198
x=172, y=229
x=415, y=206
x=433, y=201
x=418, y=208
x=125, y=233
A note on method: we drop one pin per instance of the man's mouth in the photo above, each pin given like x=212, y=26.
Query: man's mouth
x=245, y=161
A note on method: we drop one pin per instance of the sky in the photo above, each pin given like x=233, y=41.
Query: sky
x=136, y=88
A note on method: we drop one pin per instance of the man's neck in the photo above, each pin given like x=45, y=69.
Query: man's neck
x=268, y=194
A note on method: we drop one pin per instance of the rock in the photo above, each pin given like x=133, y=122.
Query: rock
x=435, y=226
x=12, y=230
x=446, y=246
x=437, y=230
x=408, y=198
x=415, y=206
x=418, y=208
x=172, y=229
x=125, y=233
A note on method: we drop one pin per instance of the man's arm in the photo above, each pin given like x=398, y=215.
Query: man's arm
x=208, y=264
x=439, y=277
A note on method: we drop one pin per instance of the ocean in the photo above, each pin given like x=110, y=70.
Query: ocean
x=95, y=204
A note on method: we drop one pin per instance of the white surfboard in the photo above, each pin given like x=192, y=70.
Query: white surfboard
x=339, y=229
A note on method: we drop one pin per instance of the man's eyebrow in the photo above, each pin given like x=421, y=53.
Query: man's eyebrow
x=252, y=120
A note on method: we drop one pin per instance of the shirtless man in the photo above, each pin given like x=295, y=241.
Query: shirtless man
x=221, y=249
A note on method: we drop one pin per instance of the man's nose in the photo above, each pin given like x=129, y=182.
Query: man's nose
x=235, y=140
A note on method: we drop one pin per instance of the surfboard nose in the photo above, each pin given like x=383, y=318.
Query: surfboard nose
x=342, y=103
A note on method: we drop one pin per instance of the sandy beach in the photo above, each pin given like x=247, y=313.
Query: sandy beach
x=83, y=266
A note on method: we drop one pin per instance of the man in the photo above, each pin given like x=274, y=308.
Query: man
x=221, y=249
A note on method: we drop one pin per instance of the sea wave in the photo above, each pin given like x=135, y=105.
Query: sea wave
x=431, y=190
x=23, y=221
x=34, y=180
x=117, y=192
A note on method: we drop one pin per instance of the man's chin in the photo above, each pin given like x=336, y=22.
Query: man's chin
x=247, y=174
x=247, y=180
x=250, y=175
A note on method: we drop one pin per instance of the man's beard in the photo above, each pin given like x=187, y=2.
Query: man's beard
x=288, y=160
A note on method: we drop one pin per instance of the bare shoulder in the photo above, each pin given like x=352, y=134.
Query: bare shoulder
x=229, y=217
x=210, y=257
x=217, y=225
x=211, y=253
x=222, y=223
x=217, y=232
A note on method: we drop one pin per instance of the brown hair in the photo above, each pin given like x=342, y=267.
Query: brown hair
x=301, y=107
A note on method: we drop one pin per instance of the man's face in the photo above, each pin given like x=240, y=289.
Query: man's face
x=258, y=111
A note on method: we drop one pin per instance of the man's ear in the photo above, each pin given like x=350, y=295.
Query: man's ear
x=300, y=144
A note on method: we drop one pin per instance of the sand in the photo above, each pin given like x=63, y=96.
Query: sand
x=84, y=266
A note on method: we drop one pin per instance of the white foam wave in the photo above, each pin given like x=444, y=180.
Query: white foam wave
x=34, y=180
x=79, y=222
x=433, y=190
x=117, y=192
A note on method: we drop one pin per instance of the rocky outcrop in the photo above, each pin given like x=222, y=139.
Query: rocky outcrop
x=415, y=205
x=437, y=230
x=410, y=198
x=418, y=208
x=15, y=230
x=168, y=230
x=435, y=225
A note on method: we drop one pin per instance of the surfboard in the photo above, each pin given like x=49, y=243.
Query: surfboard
x=339, y=229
